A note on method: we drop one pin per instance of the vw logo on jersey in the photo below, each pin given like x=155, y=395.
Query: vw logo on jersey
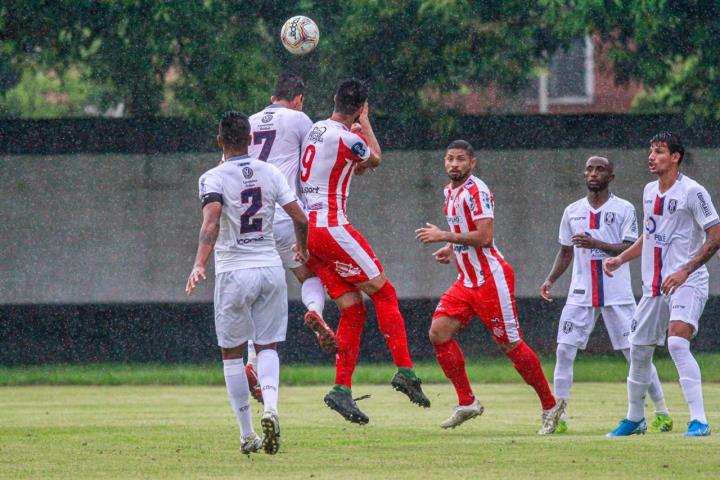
x=247, y=172
x=650, y=225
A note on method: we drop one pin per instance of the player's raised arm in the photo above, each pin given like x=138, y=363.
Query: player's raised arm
x=206, y=242
x=367, y=132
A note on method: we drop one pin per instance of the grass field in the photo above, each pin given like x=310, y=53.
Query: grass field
x=188, y=431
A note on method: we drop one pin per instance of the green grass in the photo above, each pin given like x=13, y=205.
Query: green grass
x=588, y=368
x=189, y=432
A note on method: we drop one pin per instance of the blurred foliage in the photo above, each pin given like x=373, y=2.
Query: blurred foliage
x=196, y=59
x=670, y=46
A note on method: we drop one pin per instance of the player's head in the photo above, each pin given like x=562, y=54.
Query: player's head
x=290, y=89
x=666, y=152
x=234, y=132
x=598, y=173
x=459, y=160
x=350, y=97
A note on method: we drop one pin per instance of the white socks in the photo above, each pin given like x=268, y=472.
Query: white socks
x=689, y=373
x=655, y=390
x=239, y=393
x=268, y=369
x=563, y=376
x=639, y=379
x=312, y=293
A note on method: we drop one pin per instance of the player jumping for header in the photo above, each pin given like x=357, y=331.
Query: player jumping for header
x=333, y=151
x=682, y=232
x=485, y=287
x=598, y=226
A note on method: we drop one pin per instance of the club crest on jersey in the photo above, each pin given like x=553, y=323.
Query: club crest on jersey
x=247, y=172
x=609, y=218
x=633, y=325
x=266, y=118
x=316, y=134
x=358, y=149
x=346, y=270
x=567, y=327
x=672, y=205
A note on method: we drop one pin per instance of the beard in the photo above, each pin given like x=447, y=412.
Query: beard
x=458, y=176
x=599, y=187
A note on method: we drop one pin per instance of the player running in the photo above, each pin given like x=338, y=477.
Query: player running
x=333, y=151
x=598, y=226
x=682, y=232
x=485, y=287
x=278, y=132
x=239, y=198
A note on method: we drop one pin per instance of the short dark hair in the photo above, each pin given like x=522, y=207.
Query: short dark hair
x=462, y=145
x=234, y=129
x=672, y=141
x=350, y=95
x=288, y=86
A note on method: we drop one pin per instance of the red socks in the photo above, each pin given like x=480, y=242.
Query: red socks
x=528, y=366
x=391, y=324
x=352, y=321
x=451, y=360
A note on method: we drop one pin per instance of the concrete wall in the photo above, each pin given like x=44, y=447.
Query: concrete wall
x=123, y=228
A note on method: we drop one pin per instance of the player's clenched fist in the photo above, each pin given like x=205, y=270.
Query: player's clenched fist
x=197, y=274
x=611, y=264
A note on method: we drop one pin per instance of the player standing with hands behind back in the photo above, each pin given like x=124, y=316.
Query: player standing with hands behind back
x=238, y=198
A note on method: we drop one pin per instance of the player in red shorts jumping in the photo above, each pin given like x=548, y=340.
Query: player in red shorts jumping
x=333, y=151
x=485, y=287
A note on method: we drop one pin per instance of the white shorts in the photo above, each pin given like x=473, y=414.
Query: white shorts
x=284, y=233
x=650, y=323
x=251, y=304
x=577, y=323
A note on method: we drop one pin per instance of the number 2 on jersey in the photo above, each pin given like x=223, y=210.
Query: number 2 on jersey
x=266, y=138
x=247, y=223
x=306, y=163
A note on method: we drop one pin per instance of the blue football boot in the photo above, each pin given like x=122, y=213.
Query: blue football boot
x=697, y=429
x=626, y=428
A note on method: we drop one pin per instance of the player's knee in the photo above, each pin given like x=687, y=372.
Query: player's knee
x=347, y=300
x=677, y=346
x=440, y=333
x=233, y=353
x=565, y=353
x=509, y=347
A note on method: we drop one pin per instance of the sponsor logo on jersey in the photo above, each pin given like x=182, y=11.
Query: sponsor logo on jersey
x=486, y=200
x=576, y=219
x=346, y=270
x=672, y=205
x=359, y=149
x=454, y=220
x=247, y=172
x=309, y=189
x=633, y=325
x=266, y=118
x=471, y=203
x=567, y=327
x=703, y=204
x=316, y=134
x=579, y=291
x=678, y=307
x=245, y=241
x=609, y=218
x=634, y=226
x=460, y=248
x=650, y=225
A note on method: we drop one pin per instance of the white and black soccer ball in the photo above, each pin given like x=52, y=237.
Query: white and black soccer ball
x=300, y=35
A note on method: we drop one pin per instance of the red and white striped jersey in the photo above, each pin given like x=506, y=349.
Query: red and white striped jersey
x=330, y=153
x=464, y=205
x=675, y=224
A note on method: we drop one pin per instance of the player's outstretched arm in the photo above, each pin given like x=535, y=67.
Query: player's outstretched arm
x=562, y=261
x=706, y=252
x=613, y=263
x=297, y=215
x=206, y=242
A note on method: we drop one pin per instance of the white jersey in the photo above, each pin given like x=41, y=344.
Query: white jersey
x=248, y=190
x=613, y=222
x=675, y=224
x=278, y=133
x=330, y=153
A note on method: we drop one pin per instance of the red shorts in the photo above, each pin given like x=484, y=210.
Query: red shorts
x=493, y=302
x=341, y=258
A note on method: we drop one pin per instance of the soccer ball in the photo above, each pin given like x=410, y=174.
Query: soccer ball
x=300, y=35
